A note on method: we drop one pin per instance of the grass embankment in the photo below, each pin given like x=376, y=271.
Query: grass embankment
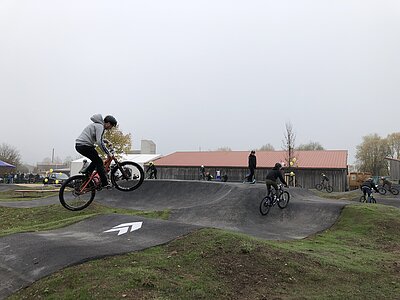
x=351, y=195
x=358, y=258
x=12, y=195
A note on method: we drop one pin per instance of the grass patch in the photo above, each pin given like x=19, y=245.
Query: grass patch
x=11, y=195
x=351, y=195
x=358, y=258
x=14, y=220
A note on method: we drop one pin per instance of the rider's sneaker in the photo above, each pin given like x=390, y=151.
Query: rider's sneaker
x=107, y=186
x=254, y=181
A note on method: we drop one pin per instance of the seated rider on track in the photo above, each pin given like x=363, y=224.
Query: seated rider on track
x=367, y=187
x=324, y=179
x=90, y=136
x=272, y=177
x=386, y=183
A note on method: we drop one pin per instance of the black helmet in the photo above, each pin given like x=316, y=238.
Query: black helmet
x=111, y=120
x=278, y=166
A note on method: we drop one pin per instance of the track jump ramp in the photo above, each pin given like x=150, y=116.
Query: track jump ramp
x=27, y=257
x=232, y=206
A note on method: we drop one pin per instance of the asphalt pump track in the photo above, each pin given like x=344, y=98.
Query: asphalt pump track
x=27, y=257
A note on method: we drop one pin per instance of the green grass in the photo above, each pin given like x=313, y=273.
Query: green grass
x=358, y=258
x=351, y=195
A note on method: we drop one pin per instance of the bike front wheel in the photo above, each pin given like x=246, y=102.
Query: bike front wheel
x=127, y=176
x=265, y=205
x=329, y=189
x=284, y=199
x=76, y=193
x=382, y=190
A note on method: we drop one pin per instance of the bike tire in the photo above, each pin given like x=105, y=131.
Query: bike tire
x=394, y=191
x=382, y=190
x=372, y=200
x=265, y=205
x=329, y=189
x=134, y=172
x=284, y=199
x=362, y=199
x=70, y=195
x=318, y=187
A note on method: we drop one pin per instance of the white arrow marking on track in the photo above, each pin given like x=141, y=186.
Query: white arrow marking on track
x=123, y=228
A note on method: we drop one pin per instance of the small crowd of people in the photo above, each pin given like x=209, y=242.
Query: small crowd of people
x=20, y=177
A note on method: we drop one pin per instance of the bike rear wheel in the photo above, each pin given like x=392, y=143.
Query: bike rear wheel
x=329, y=189
x=265, y=205
x=394, y=191
x=74, y=196
x=319, y=186
x=284, y=199
x=127, y=176
x=362, y=199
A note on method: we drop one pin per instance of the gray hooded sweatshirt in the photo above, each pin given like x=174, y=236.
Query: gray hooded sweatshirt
x=93, y=134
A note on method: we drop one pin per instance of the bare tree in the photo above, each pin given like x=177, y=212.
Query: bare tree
x=371, y=155
x=289, y=143
x=310, y=146
x=224, y=149
x=267, y=147
x=10, y=155
x=394, y=144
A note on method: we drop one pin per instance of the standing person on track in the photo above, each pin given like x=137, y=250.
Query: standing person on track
x=272, y=178
x=202, y=173
x=86, y=142
x=367, y=187
x=252, y=166
x=153, y=170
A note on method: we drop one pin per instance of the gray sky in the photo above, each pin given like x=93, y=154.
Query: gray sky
x=193, y=75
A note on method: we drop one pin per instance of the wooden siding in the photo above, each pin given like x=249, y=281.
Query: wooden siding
x=307, y=178
x=394, y=170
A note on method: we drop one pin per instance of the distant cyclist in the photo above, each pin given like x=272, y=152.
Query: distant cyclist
x=272, y=178
x=386, y=183
x=367, y=187
x=324, y=178
x=86, y=142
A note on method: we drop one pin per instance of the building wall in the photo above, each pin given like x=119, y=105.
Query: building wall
x=394, y=170
x=307, y=178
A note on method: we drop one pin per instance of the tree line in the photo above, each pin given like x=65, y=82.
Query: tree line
x=370, y=154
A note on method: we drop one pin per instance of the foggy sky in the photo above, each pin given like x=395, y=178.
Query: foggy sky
x=198, y=75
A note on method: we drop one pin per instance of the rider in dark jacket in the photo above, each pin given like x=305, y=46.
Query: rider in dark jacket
x=252, y=166
x=367, y=187
x=272, y=178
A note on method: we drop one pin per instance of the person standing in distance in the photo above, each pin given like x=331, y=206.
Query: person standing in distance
x=86, y=142
x=252, y=166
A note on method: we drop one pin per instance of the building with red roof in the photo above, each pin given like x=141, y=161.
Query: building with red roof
x=307, y=165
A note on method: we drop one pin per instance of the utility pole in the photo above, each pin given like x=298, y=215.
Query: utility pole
x=52, y=157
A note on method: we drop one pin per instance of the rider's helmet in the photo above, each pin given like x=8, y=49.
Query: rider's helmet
x=151, y=163
x=111, y=120
x=278, y=166
x=383, y=178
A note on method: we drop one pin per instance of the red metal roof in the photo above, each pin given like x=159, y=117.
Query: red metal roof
x=329, y=159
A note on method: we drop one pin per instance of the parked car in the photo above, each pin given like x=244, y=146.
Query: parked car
x=55, y=178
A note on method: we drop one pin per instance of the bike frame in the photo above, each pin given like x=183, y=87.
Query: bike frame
x=107, y=164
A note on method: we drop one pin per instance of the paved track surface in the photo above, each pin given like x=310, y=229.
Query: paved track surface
x=30, y=256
